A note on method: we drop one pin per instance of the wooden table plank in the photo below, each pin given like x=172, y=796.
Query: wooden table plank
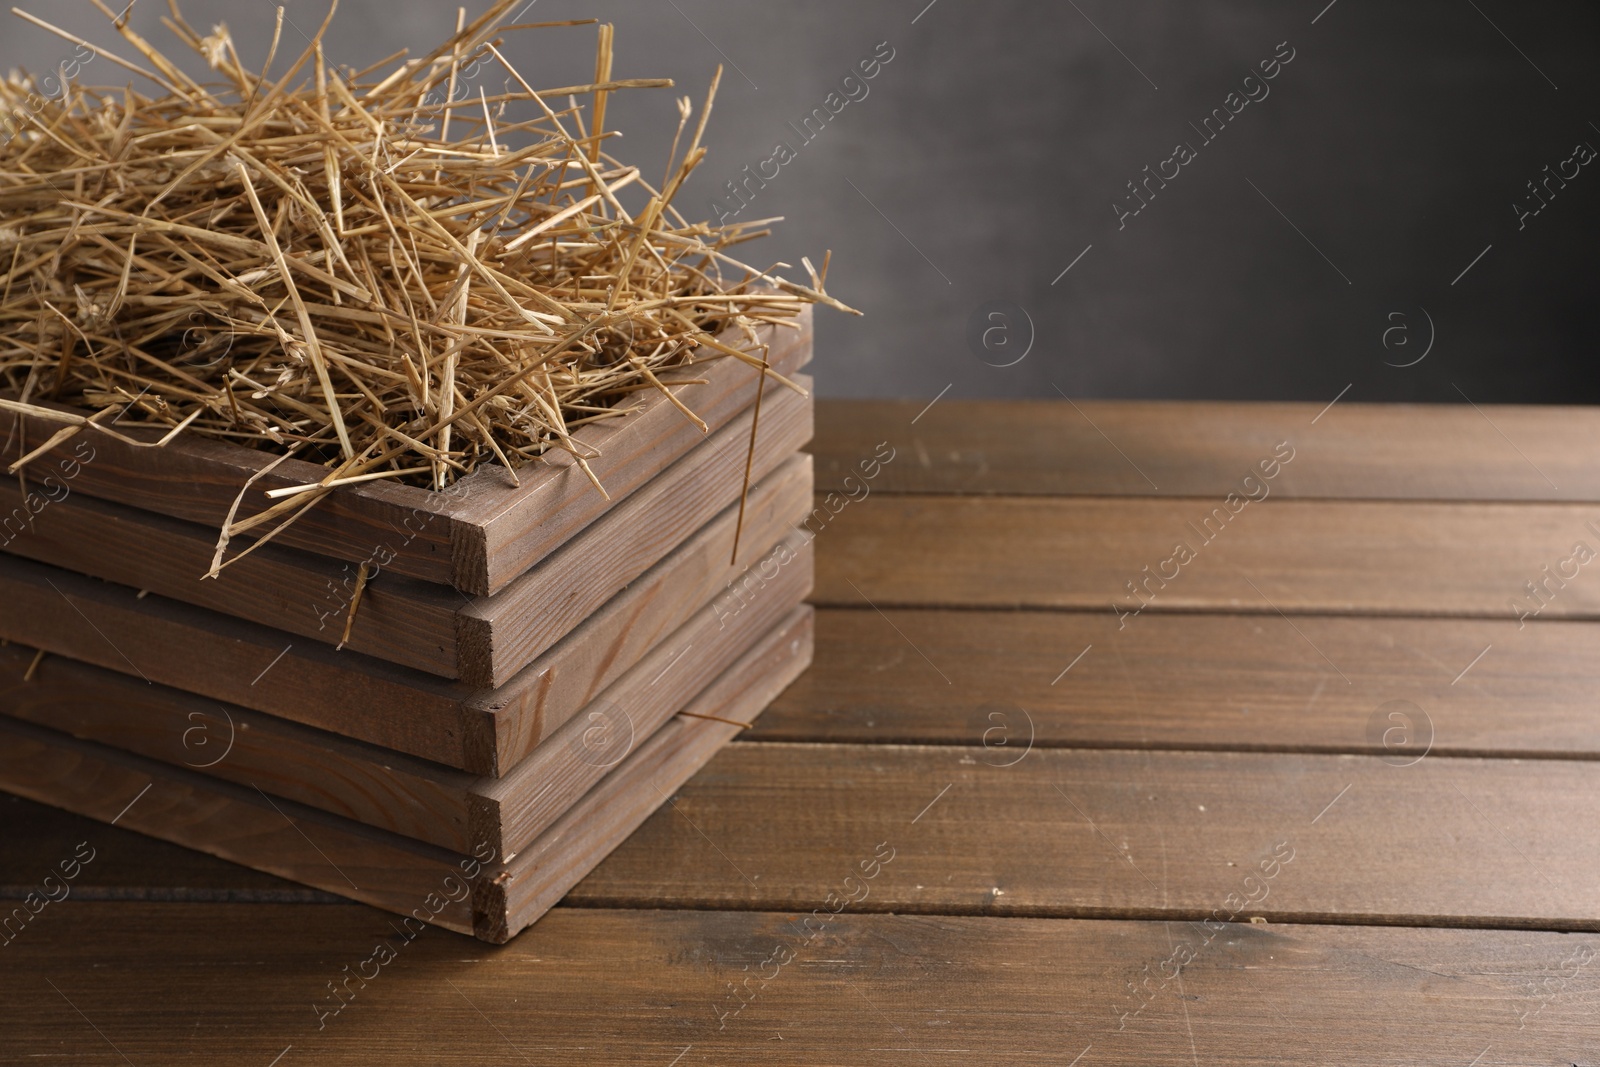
x=1303, y=556
x=1166, y=448
x=1210, y=682
x=1238, y=682
x=1117, y=833
x=607, y=987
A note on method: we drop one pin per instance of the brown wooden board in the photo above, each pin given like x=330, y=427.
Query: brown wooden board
x=400, y=619
x=129, y=865
x=1464, y=687
x=402, y=793
x=229, y=821
x=484, y=731
x=522, y=804
x=500, y=635
x=429, y=627
x=382, y=788
x=485, y=893
x=606, y=987
x=1118, y=833
x=523, y=527
x=479, y=536
x=1345, y=557
x=779, y=827
x=1163, y=448
x=1063, y=907
x=538, y=877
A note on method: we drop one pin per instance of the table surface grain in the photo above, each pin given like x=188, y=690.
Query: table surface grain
x=1137, y=733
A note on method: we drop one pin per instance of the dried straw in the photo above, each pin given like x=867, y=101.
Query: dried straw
x=328, y=264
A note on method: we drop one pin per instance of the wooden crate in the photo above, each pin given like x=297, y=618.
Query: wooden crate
x=482, y=731
x=377, y=786
x=480, y=893
x=477, y=538
x=484, y=641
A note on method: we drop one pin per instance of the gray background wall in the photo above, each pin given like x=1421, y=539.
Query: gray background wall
x=987, y=156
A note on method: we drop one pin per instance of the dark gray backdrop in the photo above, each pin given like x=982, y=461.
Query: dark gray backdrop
x=1317, y=238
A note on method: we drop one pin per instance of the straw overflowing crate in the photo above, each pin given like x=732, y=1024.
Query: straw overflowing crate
x=377, y=525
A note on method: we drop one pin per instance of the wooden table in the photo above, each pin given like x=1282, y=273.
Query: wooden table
x=1329, y=795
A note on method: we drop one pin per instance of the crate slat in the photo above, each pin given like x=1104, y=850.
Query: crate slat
x=477, y=538
x=380, y=868
x=433, y=628
x=484, y=731
x=377, y=786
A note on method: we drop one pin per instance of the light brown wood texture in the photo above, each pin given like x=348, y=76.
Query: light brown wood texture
x=1116, y=833
x=1354, y=451
x=313, y=767
x=500, y=635
x=233, y=822
x=377, y=786
x=631, y=987
x=1085, y=834
x=530, y=798
x=476, y=538
x=522, y=527
x=484, y=731
x=536, y=878
x=429, y=627
x=130, y=865
x=1302, y=556
x=493, y=899
x=1190, y=681
x=1129, y=837
x=608, y=643
x=1065, y=904
x=400, y=619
